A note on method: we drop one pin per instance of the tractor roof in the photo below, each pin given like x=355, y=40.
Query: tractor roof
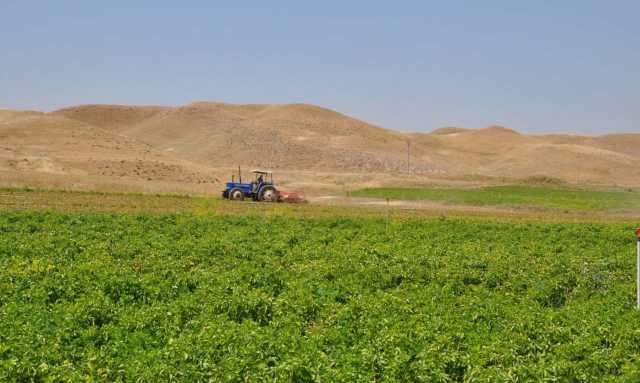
x=261, y=171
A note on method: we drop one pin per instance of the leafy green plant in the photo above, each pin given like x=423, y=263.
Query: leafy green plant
x=549, y=197
x=181, y=297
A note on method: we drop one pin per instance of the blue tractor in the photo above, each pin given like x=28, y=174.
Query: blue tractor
x=260, y=189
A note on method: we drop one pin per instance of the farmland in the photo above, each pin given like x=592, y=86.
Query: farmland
x=196, y=295
x=521, y=196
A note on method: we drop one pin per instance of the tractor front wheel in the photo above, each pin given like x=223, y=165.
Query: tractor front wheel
x=236, y=195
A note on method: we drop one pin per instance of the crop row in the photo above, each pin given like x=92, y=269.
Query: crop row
x=184, y=298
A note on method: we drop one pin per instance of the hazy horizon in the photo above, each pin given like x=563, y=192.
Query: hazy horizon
x=569, y=67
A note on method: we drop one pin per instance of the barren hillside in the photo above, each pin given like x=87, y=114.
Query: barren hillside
x=52, y=150
x=294, y=136
x=198, y=143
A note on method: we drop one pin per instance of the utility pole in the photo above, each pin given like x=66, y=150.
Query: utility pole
x=386, y=223
x=408, y=156
x=638, y=269
x=272, y=151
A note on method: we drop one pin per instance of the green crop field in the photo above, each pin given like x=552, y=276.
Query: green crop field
x=517, y=196
x=189, y=297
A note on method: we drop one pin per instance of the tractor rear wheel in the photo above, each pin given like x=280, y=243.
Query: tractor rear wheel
x=269, y=194
x=236, y=195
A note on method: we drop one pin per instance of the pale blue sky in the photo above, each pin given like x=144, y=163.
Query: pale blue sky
x=535, y=66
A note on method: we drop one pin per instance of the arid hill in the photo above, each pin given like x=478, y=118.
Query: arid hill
x=50, y=150
x=193, y=147
x=277, y=136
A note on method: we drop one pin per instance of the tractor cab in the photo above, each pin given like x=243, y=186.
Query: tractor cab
x=261, y=188
x=262, y=177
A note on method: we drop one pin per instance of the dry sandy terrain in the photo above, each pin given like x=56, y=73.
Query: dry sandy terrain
x=314, y=150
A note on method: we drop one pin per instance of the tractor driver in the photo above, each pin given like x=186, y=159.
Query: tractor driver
x=258, y=183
